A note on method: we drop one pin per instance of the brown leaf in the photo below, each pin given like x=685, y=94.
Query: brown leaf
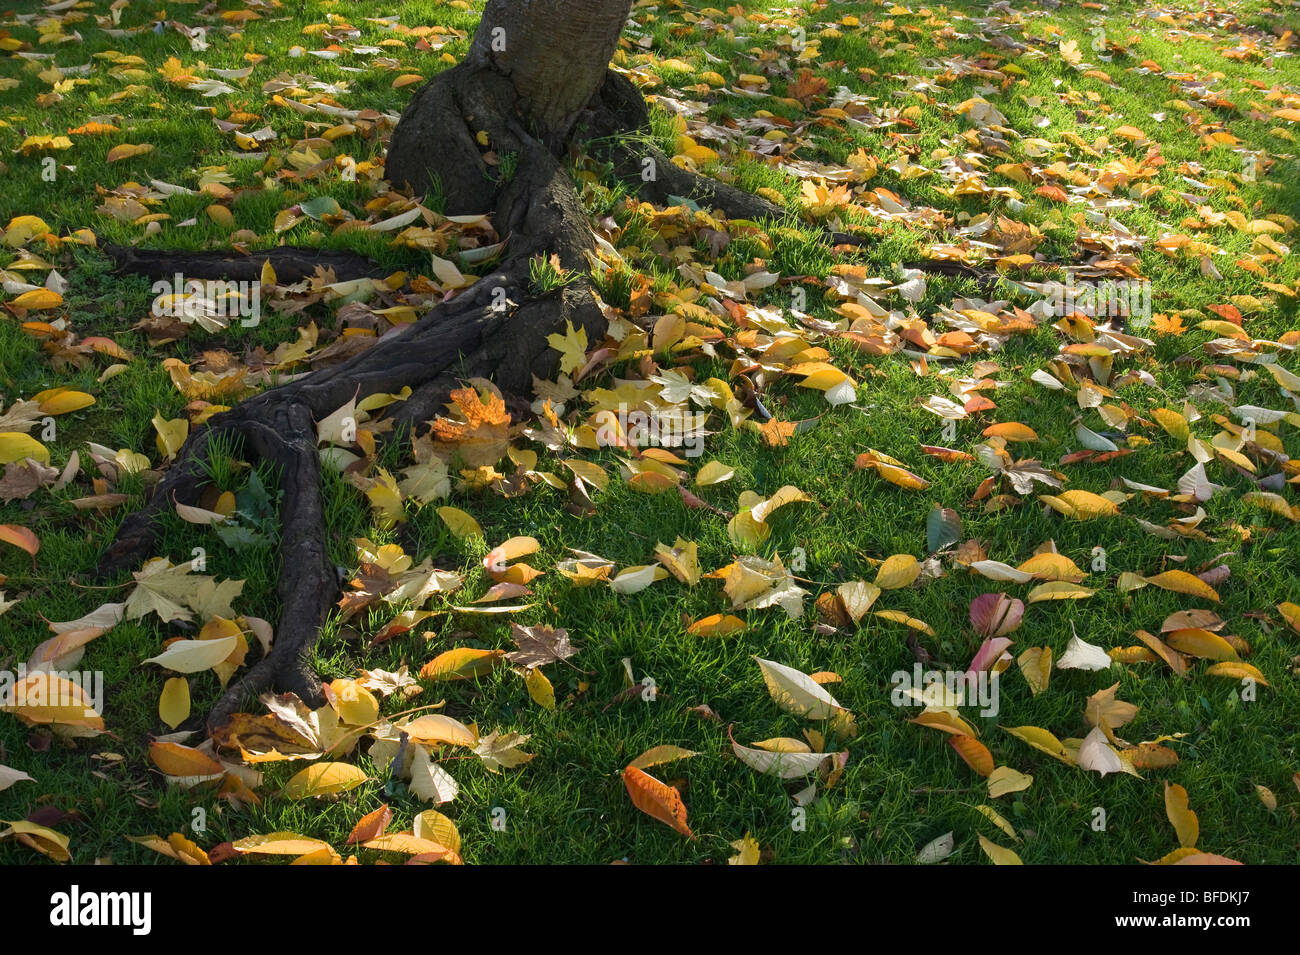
x=539, y=646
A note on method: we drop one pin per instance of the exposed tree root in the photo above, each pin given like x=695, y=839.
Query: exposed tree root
x=291, y=263
x=496, y=329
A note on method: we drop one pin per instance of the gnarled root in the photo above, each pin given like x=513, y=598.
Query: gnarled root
x=496, y=329
x=291, y=263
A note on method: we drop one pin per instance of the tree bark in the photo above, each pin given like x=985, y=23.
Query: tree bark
x=533, y=67
x=555, y=53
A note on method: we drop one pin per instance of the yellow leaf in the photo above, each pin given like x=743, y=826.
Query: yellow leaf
x=716, y=625
x=945, y=721
x=38, y=299
x=386, y=498
x=44, y=840
x=1005, y=780
x=1201, y=643
x=1011, y=431
x=321, y=779
x=898, y=571
x=714, y=472
x=34, y=144
x=1036, y=666
x=459, y=523
x=1052, y=567
x=1183, y=819
x=462, y=663
x=1081, y=505
x=539, y=689
x=127, y=151
x=280, y=844
x=14, y=446
x=174, y=704
x=1181, y=582
x=998, y=820
x=657, y=755
x=45, y=698
x=171, y=434
x=1058, y=590
x=61, y=401
x=996, y=853
x=22, y=229
x=1040, y=739
x=435, y=729
x=1237, y=670
x=747, y=851
x=898, y=616
x=572, y=346
x=354, y=704
x=195, y=656
x=902, y=477
x=436, y=827
x=1173, y=423
x=221, y=215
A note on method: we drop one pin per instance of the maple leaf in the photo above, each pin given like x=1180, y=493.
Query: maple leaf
x=289, y=731
x=539, y=646
x=1167, y=325
x=481, y=432
x=499, y=751
x=22, y=478
x=426, y=482
x=174, y=594
x=369, y=586
x=776, y=433
x=572, y=346
x=21, y=416
x=386, y=682
x=807, y=86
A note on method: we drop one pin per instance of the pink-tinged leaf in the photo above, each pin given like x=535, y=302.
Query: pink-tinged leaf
x=993, y=615
x=988, y=654
x=1206, y=858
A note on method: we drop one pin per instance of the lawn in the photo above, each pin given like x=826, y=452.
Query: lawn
x=941, y=426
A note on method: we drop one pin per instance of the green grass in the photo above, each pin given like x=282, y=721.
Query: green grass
x=903, y=785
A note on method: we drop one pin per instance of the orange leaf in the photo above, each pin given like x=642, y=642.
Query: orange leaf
x=1011, y=431
x=127, y=151
x=975, y=753
x=462, y=663
x=656, y=799
x=21, y=538
x=177, y=760
x=370, y=826
x=716, y=625
x=1229, y=312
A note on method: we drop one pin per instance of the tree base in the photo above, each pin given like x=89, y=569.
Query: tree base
x=435, y=148
x=471, y=335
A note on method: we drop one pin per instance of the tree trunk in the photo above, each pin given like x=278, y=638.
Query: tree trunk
x=555, y=53
x=532, y=68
